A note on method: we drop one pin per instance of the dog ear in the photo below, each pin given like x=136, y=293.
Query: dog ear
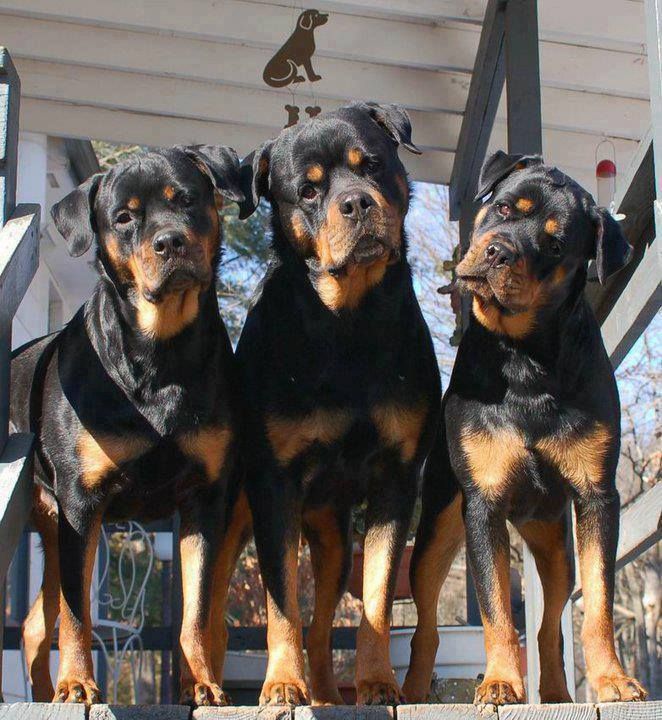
x=306, y=19
x=612, y=250
x=394, y=120
x=498, y=166
x=74, y=216
x=255, y=178
x=221, y=165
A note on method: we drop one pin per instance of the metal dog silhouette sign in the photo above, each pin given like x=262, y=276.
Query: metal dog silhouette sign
x=295, y=53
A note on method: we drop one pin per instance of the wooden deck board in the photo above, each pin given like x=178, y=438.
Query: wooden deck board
x=612, y=711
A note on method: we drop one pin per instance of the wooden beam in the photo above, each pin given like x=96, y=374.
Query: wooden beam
x=637, y=304
x=222, y=63
x=83, y=159
x=484, y=95
x=66, y=120
x=19, y=258
x=10, y=95
x=640, y=529
x=523, y=78
x=452, y=48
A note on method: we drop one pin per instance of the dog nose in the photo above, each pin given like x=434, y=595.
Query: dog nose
x=498, y=254
x=355, y=205
x=169, y=243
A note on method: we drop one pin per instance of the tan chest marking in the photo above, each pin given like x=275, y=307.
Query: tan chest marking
x=515, y=326
x=400, y=426
x=170, y=316
x=289, y=437
x=348, y=290
x=102, y=454
x=208, y=446
x=580, y=459
x=491, y=458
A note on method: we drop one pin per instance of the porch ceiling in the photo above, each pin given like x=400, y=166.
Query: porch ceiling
x=159, y=72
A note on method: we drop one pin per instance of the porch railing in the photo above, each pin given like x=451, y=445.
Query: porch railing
x=19, y=257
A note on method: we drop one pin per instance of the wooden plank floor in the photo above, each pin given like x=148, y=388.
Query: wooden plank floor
x=613, y=711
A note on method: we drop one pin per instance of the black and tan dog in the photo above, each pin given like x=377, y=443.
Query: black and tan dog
x=134, y=407
x=531, y=421
x=342, y=388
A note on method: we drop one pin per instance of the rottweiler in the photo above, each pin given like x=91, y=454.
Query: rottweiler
x=342, y=388
x=134, y=407
x=530, y=422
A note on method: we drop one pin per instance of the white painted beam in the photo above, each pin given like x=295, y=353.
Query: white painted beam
x=359, y=38
x=66, y=120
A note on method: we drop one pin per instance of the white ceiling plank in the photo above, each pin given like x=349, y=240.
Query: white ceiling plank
x=67, y=120
x=223, y=63
x=197, y=100
x=417, y=89
x=436, y=46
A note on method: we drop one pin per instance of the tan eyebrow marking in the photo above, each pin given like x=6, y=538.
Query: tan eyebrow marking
x=133, y=203
x=354, y=157
x=524, y=204
x=551, y=226
x=168, y=192
x=315, y=173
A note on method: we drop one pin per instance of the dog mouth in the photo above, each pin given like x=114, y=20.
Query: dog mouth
x=366, y=252
x=177, y=278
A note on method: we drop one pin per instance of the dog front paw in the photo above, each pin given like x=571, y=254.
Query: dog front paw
x=77, y=690
x=619, y=688
x=203, y=694
x=370, y=692
x=291, y=692
x=493, y=691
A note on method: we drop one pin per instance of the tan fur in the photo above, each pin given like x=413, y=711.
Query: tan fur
x=170, y=316
x=338, y=293
x=168, y=192
x=315, y=173
x=328, y=558
x=579, y=459
x=491, y=458
x=133, y=203
x=547, y=543
x=481, y=214
x=431, y=571
x=551, y=226
x=373, y=664
x=289, y=437
x=354, y=158
x=400, y=426
x=102, y=454
x=208, y=446
x=516, y=326
x=524, y=205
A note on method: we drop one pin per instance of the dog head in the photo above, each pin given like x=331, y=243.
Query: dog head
x=155, y=221
x=310, y=19
x=531, y=237
x=339, y=195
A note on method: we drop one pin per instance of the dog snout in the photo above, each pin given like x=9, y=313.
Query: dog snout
x=499, y=255
x=169, y=243
x=355, y=205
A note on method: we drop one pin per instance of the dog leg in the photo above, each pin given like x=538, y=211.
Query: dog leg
x=78, y=539
x=235, y=540
x=549, y=543
x=308, y=67
x=488, y=550
x=390, y=505
x=328, y=533
x=597, y=538
x=277, y=527
x=200, y=535
x=440, y=535
x=39, y=624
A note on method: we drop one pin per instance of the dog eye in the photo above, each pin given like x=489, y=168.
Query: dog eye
x=555, y=248
x=372, y=165
x=503, y=209
x=308, y=192
x=123, y=218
